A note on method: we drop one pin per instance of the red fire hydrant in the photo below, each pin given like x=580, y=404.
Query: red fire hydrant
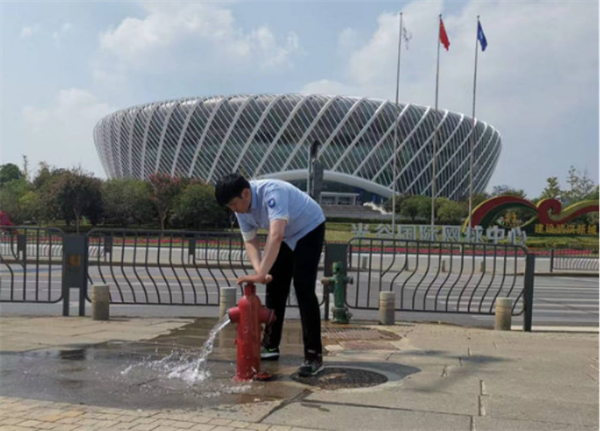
x=249, y=314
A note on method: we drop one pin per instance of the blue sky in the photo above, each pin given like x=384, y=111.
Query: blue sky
x=67, y=64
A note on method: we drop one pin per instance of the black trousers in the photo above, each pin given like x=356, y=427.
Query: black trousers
x=301, y=265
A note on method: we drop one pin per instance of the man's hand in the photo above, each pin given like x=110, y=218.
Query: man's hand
x=255, y=279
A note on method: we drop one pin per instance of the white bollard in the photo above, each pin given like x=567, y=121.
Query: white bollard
x=503, y=314
x=100, y=302
x=228, y=299
x=364, y=262
x=387, y=305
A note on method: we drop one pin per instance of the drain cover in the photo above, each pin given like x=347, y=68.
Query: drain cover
x=343, y=378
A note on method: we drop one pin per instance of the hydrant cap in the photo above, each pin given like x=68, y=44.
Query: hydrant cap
x=234, y=314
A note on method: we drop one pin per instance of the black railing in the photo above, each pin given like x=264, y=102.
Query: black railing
x=167, y=267
x=574, y=260
x=436, y=276
x=189, y=268
x=31, y=264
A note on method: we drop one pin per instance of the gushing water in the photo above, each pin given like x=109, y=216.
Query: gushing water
x=187, y=366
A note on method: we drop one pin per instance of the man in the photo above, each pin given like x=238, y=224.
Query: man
x=296, y=226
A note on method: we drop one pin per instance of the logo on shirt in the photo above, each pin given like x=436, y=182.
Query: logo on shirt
x=271, y=203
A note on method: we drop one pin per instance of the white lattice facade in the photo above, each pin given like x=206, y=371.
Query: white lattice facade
x=269, y=136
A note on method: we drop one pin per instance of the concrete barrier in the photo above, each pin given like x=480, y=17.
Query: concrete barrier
x=503, y=314
x=100, y=302
x=387, y=305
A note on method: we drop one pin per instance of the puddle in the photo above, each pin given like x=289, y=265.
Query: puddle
x=175, y=370
x=172, y=371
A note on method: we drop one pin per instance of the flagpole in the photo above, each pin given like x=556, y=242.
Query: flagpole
x=435, y=133
x=396, y=130
x=473, y=131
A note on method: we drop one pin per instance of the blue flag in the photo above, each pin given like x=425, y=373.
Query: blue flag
x=481, y=37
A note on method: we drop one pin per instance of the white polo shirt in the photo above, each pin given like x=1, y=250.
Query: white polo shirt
x=279, y=200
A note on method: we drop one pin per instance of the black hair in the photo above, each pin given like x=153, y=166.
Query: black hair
x=230, y=186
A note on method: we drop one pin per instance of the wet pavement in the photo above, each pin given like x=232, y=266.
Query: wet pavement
x=136, y=374
x=77, y=374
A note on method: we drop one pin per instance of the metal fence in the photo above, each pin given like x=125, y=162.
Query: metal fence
x=31, y=264
x=168, y=267
x=189, y=268
x=574, y=260
x=437, y=276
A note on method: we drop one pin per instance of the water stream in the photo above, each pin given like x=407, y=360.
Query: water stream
x=185, y=365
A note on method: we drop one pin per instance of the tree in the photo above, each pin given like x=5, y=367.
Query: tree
x=412, y=206
x=594, y=195
x=504, y=190
x=450, y=212
x=127, y=201
x=25, y=168
x=32, y=207
x=165, y=189
x=580, y=186
x=77, y=194
x=43, y=176
x=477, y=199
x=10, y=172
x=10, y=195
x=552, y=190
x=43, y=183
x=399, y=199
x=197, y=207
x=593, y=218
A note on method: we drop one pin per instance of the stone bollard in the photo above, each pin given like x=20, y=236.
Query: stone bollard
x=444, y=265
x=503, y=314
x=387, y=305
x=100, y=302
x=228, y=297
x=364, y=262
x=482, y=266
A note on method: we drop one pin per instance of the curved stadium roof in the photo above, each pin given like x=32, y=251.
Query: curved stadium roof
x=269, y=136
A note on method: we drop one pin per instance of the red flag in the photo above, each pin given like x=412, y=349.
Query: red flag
x=444, y=36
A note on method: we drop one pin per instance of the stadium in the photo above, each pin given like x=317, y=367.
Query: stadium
x=269, y=136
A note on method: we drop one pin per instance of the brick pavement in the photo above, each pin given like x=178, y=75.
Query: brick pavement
x=18, y=414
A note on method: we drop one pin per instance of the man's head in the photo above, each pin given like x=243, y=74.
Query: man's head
x=233, y=191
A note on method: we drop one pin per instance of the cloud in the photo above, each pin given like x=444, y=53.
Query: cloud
x=534, y=79
x=190, y=37
x=59, y=34
x=348, y=40
x=63, y=131
x=29, y=31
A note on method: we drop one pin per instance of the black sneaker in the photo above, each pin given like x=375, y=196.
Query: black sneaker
x=311, y=368
x=268, y=353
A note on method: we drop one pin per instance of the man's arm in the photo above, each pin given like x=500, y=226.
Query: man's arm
x=276, y=232
x=253, y=251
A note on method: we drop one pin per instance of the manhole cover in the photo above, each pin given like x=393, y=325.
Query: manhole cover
x=358, y=334
x=343, y=378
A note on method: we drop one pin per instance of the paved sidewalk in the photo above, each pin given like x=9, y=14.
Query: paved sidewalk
x=440, y=377
x=21, y=415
